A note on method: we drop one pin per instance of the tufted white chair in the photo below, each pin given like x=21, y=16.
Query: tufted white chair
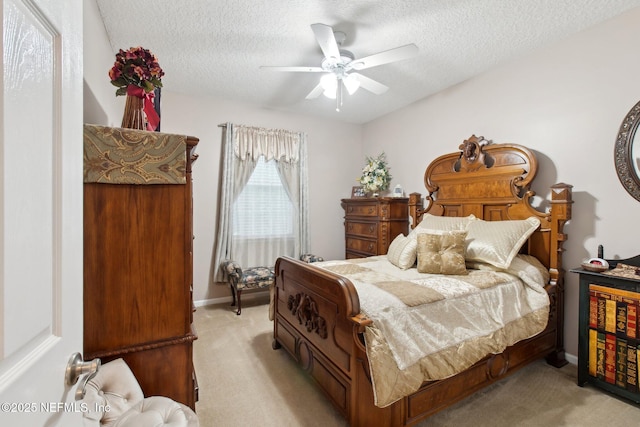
x=114, y=398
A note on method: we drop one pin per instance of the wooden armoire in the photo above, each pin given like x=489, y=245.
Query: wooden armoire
x=138, y=262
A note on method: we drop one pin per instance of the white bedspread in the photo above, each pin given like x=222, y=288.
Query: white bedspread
x=462, y=319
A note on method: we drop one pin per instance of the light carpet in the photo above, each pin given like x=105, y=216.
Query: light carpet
x=244, y=382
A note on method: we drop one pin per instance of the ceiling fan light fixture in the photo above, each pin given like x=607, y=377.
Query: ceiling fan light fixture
x=331, y=94
x=351, y=83
x=329, y=83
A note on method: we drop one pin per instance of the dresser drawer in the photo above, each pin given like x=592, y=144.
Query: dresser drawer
x=362, y=209
x=366, y=247
x=365, y=229
x=370, y=224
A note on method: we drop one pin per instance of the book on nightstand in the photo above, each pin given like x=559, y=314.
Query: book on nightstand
x=593, y=352
x=632, y=317
x=621, y=362
x=610, y=359
x=632, y=367
x=600, y=356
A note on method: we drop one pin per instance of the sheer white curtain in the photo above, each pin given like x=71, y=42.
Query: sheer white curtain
x=243, y=147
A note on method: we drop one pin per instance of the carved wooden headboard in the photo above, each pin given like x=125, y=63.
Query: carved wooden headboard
x=492, y=182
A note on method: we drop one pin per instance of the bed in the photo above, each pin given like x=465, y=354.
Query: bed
x=325, y=317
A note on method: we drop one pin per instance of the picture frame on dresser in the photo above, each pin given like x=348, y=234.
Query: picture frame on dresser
x=397, y=191
x=358, y=191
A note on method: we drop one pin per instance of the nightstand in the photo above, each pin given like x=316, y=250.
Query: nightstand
x=608, y=337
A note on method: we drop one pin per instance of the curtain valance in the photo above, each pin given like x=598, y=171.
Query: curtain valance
x=252, y=142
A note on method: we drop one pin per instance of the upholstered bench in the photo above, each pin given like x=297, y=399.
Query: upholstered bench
x=252, y=279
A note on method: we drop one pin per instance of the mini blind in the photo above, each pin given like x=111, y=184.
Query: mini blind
x=263, y=209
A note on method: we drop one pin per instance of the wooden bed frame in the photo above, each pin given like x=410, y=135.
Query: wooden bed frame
x=317, y=316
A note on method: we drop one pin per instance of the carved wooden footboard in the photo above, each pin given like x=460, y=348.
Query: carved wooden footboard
x=317, y=315
x=316, y=321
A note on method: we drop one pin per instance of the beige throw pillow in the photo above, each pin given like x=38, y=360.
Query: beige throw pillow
x=402, y=252
x=498, y=242
x=441, y=253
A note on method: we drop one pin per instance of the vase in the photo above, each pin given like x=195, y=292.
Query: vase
x=134, y=117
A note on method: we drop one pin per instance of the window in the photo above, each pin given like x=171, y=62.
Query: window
x=263, y=209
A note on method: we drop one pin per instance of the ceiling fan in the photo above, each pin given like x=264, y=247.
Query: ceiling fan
x=340, y=66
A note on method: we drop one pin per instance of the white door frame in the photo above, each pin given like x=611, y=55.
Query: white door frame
x=40, y=210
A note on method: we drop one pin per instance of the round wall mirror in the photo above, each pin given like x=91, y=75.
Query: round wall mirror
x=627, y=153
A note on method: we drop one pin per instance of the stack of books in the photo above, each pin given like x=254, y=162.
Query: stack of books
x=613, y=336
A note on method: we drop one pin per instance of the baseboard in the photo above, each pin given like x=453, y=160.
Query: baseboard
x=571, y=359
x=227, y=300
x=212, y=301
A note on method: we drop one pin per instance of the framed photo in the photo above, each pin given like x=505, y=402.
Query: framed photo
x=358, y=192
x=398, y=191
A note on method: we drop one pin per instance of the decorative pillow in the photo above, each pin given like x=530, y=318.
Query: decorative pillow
x=498, y=242
x=441, y=253
x=521, y=264
x=444, y=223
x=531, y=267
x=402, y=252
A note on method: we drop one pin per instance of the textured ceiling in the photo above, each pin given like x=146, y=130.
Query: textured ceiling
x=216, y=47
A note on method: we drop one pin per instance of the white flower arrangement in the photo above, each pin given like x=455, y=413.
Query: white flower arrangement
x=375, y=175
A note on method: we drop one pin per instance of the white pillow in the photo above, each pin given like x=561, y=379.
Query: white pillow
x=523, y=264
x=402, y=251
x=498, y=242
x=444, y=223
x=529, y=267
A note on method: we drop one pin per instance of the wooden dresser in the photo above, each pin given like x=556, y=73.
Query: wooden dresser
x=371, y=224
x=138, y=268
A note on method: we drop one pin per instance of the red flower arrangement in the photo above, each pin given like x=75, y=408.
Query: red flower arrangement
x=136, y=73
x=136, y=67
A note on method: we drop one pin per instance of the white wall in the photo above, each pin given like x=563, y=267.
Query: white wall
x=566, y=102
x=334, y=163
x=101, y=106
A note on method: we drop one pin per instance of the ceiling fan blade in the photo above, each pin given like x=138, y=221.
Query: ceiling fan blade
x=316, y=92
x=370, y=84
x=391, y=55
x=294, y=69
x=326, y=40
